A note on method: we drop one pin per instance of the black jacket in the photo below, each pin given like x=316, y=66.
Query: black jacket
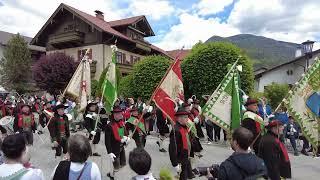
x=176, y=151
x=54, y=126
x=161, y=123
x=241, y=166
x=112, y=145
x=275, y=156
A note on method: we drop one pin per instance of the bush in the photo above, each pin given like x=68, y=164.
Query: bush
x=205, y=67
x=256, y=95
x=52, y=72
x=275, y=93
x=147, y=74
x=125, y=86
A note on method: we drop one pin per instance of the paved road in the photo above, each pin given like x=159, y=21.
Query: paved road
x=304, y=168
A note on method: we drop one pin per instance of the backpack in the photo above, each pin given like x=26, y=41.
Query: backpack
x=16, y=176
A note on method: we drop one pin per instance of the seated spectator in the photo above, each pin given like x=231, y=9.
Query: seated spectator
x=292, y=133
x=78, y=168
x=140, y=163
x=16, y=154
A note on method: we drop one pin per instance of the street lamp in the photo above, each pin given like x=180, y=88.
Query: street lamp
x=307, y=50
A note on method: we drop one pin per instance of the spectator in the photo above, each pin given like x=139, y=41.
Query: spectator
x=16, y=154
x=274, y=153
x=140, y=163
x=292, y=134
x=78, y=168
x=242, y=164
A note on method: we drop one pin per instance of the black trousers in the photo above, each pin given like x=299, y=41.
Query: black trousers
x=28, y=137
x=209, y=129
x=120, y=159
x=305, y=142
x=140, y=141
x=199, y=130
x=186, y=170
x=62, y=147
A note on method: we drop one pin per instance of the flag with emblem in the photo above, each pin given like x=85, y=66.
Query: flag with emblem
x=303, y=103
x=109, y=87
x=80, y=84
x=169, y=90
x=223, y=106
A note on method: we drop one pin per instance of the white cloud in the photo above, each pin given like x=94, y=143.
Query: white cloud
x=193, y=28
x=208, y=7
x=28, y=16
x=156, y=9
x=291, y=21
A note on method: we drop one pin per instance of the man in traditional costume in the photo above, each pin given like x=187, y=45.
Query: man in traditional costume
x=136, y=125
x=115, y=140
x=196, y=112
x=59, y=126
x=25, y=124
x=253, y=122
x=180, y=146
x=90, y=117
x=163, y=129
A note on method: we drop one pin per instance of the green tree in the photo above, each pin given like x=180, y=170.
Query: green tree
x=125, y=86
x=205, y=67
x=15, y=67
x=147, y=74
x=275, y=93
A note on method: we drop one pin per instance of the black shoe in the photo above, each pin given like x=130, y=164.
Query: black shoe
x=296, y=153
x=158, y=143
x=109, y=175
x=162, y=150
x=96, y=154
x=40, y=132
x=304, y=152
x=191, y=176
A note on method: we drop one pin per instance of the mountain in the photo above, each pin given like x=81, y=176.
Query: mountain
x=264, y=52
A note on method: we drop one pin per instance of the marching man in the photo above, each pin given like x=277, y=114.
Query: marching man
x=116, y=140
x=137, y=128
x=180, y=146
x=60, y=130
x=163, y=128
x=90, y=118
x=25, y=124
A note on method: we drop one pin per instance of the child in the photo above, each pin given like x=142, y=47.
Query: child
x=140, y=163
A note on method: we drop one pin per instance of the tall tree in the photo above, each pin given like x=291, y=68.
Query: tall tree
x=16, y=64
x=52, y=72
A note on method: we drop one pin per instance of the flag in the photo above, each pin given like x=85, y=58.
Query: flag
x=109, y=87
x=80, y=84
x=140, y=124
x=303, y=103
x=169, y=89
x=223, y=107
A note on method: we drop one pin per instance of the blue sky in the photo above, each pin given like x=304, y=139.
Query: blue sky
x=178, y=23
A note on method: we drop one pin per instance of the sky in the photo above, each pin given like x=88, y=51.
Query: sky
x=182, y=23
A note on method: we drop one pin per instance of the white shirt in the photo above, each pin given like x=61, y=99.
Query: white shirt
x=143, y=177
x=9, y=169
x=95, y=172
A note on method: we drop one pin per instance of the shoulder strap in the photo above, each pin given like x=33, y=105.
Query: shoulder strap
x=85, y=164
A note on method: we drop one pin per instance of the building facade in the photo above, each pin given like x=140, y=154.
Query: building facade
x=72, y=31
x=286, y=73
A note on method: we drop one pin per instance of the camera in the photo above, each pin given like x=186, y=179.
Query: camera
x=203, y=171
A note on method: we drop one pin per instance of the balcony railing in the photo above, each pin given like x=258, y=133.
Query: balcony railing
x=67, y=37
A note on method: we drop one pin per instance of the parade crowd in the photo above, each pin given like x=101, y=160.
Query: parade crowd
x=259, y=149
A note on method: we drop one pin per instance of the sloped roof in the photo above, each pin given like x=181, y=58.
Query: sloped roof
x=182, y=53
x=125, y=21
x=99, y=24
x=6, y=36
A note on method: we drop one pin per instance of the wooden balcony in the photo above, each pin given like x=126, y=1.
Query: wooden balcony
x=66, y=39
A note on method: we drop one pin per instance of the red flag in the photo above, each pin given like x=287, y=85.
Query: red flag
x=169, y=89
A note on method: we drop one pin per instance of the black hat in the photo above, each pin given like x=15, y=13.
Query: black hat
x=274, y=123
x=116, y=109
x=92, y=103
x=251, y=101
x=60, y=106
x=181, y=111
x=133, y=109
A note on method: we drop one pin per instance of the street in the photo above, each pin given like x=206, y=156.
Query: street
x=43, y=157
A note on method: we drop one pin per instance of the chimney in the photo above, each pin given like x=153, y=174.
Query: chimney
x=99, y=14
x=298, y=52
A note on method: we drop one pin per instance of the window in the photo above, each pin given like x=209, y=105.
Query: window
x=121, y=57
x=134, y=59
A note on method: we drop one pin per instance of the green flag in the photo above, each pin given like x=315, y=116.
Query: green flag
x=109, y=87
x=303, y=103
x=140, y=124
x=223, y=106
